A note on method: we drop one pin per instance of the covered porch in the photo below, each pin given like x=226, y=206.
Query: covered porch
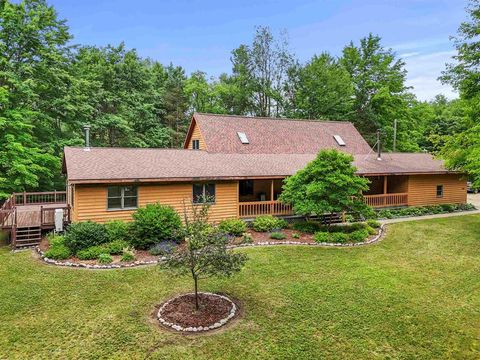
x=387, y=191
x=260, y=197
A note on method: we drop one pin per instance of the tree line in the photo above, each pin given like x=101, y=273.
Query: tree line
x=50, y=89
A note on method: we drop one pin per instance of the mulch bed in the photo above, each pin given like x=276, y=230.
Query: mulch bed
x=181, y=310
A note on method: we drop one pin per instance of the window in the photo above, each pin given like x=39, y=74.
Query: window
x=339, y=140
x=246, y=187
x=202, y=192
x=196, y=144
x=122, y=197
x=243, y=137
x=439, y=191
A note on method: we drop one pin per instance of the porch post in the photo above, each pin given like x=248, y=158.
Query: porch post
x=385, y=183
x=271, y=197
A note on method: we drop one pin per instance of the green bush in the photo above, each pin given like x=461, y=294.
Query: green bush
x=58, y=252
x=309, y=227
x=105, y=258
x=277, y=236
x=128, y=254
x=83, y=235
x=117, y=230
x=54, y=239
x=339, y=237
x=234, y=227
x=153, y=224
x=115, y=247
x=295, y=236
x=266, y=223
x=373, y=223
x=321, y=237
x=330, y=237
x=371, y=230
x=358, y=235
x=91, y=253
x=422, y=210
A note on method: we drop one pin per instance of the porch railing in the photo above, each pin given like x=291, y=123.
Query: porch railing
x=255, y=208
x=384, y=200
x=47, y=215
x=37, y=198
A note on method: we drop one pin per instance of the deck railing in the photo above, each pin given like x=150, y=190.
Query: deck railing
x=47, y=215
x=37, y=198
x=384, y=200
x=255, y=208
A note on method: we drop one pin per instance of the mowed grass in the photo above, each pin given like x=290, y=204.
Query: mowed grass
x=414, y=295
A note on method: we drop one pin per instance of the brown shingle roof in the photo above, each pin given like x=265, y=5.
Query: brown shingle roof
x=131, y=164
x=276, y=136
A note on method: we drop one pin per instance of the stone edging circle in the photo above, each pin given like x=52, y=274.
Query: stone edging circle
x=218, y=324
x=95, y=266
x=381, y=232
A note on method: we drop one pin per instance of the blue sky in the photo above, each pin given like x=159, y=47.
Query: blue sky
x=199, y=35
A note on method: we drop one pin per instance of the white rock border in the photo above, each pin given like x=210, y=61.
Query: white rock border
x=381, y=232
x=95, y=266
x=191, y=329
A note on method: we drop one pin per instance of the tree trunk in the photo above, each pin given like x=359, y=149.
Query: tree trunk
x=195, y=279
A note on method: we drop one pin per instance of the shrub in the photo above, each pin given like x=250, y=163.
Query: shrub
x=358, y=235
x=234, y=227
x=371, y=230
x=115, y=247
x=54, y=239
x=295, y=236
x=105, y=258
x=373, y=223
x=82, y=235
x=247, y=238
x=309, y=227
x=339, y=237
x=266, y=223
x=128, y=254
x=90, y=253
x=58, y=252
x=117, y=230
x=153, y=224
x=321, y=236
x=163, y=248
x=277, y=236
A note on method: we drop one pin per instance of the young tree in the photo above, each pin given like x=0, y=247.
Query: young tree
x=326, y=185
x=205, y=252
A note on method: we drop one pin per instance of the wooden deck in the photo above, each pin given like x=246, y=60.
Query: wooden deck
x=25, y=215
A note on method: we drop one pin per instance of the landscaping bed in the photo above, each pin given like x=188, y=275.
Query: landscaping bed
x=180, y=312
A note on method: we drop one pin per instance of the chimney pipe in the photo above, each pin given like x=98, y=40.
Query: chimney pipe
x=87, y=137
x=379, y=146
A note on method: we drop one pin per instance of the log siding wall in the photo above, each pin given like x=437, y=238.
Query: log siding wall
x=91, y=201
x=422, y=189
x=196, y=135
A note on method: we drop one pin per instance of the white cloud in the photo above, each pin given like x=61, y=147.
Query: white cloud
x=423, y=72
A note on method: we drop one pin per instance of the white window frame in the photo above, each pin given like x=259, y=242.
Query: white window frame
x=122, y=198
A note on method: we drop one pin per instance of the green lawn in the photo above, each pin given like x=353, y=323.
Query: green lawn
x=414, y=295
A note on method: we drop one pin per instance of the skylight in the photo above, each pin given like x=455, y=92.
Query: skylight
x=339, y=140
x=243, y=137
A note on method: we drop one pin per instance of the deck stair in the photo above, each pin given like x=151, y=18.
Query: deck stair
x=28, y=236
x=24, y=216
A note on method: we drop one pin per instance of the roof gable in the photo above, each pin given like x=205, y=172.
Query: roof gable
x=275, y=136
